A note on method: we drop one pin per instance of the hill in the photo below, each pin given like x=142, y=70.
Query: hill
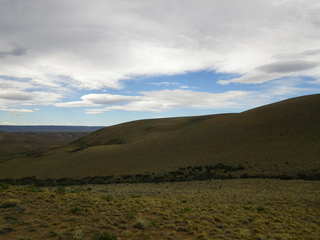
x=17, y=143
x=277, y=139
x=47, y=129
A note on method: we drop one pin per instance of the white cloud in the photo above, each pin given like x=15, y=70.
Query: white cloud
x=49, y=49
x=165, y=83
x=286, y=88
x=12, y=85
x=157, y=101
x=75, y=104
x=16, y=96
x=44, y=98
x=98, y=43
x=15, y=91
x=8, y=123
x=252, y=78
x=93, y=100
x=108, y=98
x=18, y=110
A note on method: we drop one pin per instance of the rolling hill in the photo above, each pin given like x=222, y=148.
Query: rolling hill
x=15, y=143
x=282, y=138
x=47, y=128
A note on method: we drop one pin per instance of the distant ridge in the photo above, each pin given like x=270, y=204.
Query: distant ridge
x=48, y=128
x=279, y=139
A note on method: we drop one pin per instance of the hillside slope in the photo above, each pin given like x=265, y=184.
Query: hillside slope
x=280, y=138
x=12, y=144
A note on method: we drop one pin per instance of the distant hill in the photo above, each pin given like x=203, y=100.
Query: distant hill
x=282, y=138
x=49, y=128
x=15, y=143
x=15, y=140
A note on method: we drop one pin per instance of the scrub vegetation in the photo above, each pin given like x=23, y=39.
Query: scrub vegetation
x=212, y=209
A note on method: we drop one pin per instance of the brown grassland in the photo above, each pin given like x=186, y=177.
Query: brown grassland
x=214, y=209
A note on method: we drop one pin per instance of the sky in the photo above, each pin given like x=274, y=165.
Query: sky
x=104, y=62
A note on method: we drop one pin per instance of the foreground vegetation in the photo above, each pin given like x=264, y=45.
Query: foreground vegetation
x=182, y=174
x=217, y=209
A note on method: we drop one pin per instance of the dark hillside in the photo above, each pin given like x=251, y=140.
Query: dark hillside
x=46, y=129
x=277, y=139
x=12, y=144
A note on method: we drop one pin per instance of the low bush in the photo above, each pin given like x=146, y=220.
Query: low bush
x=61, y=190
x=9, y=204
x=104, y=236
x=75, y=210
x=4, y=185
x=4, y=230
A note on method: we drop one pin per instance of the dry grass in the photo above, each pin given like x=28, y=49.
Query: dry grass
x=219, y=209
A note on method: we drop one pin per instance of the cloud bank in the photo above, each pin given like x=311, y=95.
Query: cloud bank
x=51, y=48
x=158, y=101
x=290, y=66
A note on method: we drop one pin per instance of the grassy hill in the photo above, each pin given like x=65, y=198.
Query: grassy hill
x=277, y=139
x=17, y=143
x=47, y=128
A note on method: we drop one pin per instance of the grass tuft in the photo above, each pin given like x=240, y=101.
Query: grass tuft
x=61, y=190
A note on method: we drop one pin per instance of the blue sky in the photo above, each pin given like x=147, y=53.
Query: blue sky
x=106, y=62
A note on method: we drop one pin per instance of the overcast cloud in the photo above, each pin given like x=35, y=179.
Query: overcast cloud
x=290, y=66
x=62, y=47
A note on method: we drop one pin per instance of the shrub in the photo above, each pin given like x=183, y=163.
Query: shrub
x=135, y=196
x=198, y=168
x=9, y=204
x=139, y=225
x=76, y=149
x=105, y=236
x=186, y=210
x=60, y=190
x=244, y=175
x=153, y=223
x=130, y=215
x=27, y=180
x=10, y=217
x=108, y=198
x=75, y=210
x=260, y=209
x=4, y=230
x=115, y=141
x=34, y=189
x=4, y=185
